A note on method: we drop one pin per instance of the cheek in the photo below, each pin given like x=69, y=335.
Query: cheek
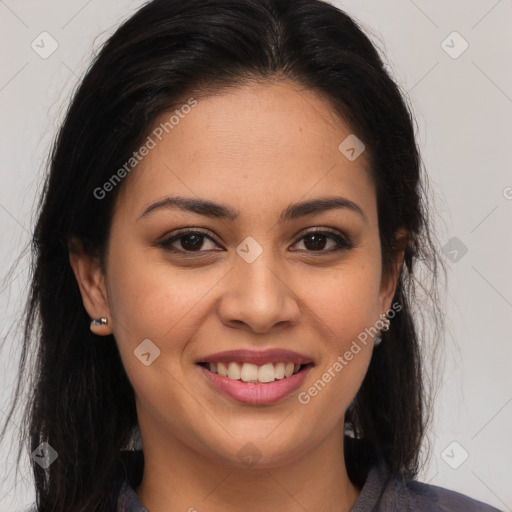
x=347, y=301
x=141, y=284
x=151, y=299
x=344, y=312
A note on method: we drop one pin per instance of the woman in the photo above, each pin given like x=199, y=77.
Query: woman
x=225, y=263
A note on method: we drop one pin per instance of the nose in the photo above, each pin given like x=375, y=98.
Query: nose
x=258, y=297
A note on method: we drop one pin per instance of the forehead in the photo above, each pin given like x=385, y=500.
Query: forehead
x=252, y=146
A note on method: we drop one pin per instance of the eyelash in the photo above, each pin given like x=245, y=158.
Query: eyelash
x=343, y=242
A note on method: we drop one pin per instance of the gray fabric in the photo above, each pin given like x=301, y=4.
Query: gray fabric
x=128, y=500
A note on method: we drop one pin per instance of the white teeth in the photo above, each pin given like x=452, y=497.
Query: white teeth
x=234, y=371
x=279, y=370
x=266, y=373
x=221, y=369
x=249, y=372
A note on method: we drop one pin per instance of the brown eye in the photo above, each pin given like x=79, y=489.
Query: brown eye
x=316, y=241
x=186, y=241
x=192, y=242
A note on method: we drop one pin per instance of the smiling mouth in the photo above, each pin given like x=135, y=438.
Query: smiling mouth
x=255, y=374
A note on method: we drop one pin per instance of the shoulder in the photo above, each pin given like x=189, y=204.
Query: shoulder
x=439, y=499
x=381, y=492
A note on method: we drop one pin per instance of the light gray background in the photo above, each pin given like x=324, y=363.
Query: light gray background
x=463, y=109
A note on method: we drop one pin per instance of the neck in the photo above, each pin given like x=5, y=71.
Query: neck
x=178, y=478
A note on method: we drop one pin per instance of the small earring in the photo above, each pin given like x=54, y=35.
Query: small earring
x=99, y=321
x=385, y=327
x=386, y=322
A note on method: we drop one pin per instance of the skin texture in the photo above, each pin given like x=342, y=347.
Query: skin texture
x=257, y=149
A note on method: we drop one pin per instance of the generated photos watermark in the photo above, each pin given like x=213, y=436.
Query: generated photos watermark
x=342, y=360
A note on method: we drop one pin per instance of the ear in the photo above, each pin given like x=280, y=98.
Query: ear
x=91, y=281
x=389, y=282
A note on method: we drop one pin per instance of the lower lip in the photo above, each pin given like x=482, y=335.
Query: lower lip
x=256, y=394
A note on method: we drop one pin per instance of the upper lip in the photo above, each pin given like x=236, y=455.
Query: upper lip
x=258, y=357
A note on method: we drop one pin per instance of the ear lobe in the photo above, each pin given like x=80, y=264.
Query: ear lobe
x=91, y=282
x=389, y=284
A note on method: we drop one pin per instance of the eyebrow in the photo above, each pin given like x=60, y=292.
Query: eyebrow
x=215, y=210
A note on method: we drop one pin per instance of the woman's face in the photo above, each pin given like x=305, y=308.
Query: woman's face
x=256, y=282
